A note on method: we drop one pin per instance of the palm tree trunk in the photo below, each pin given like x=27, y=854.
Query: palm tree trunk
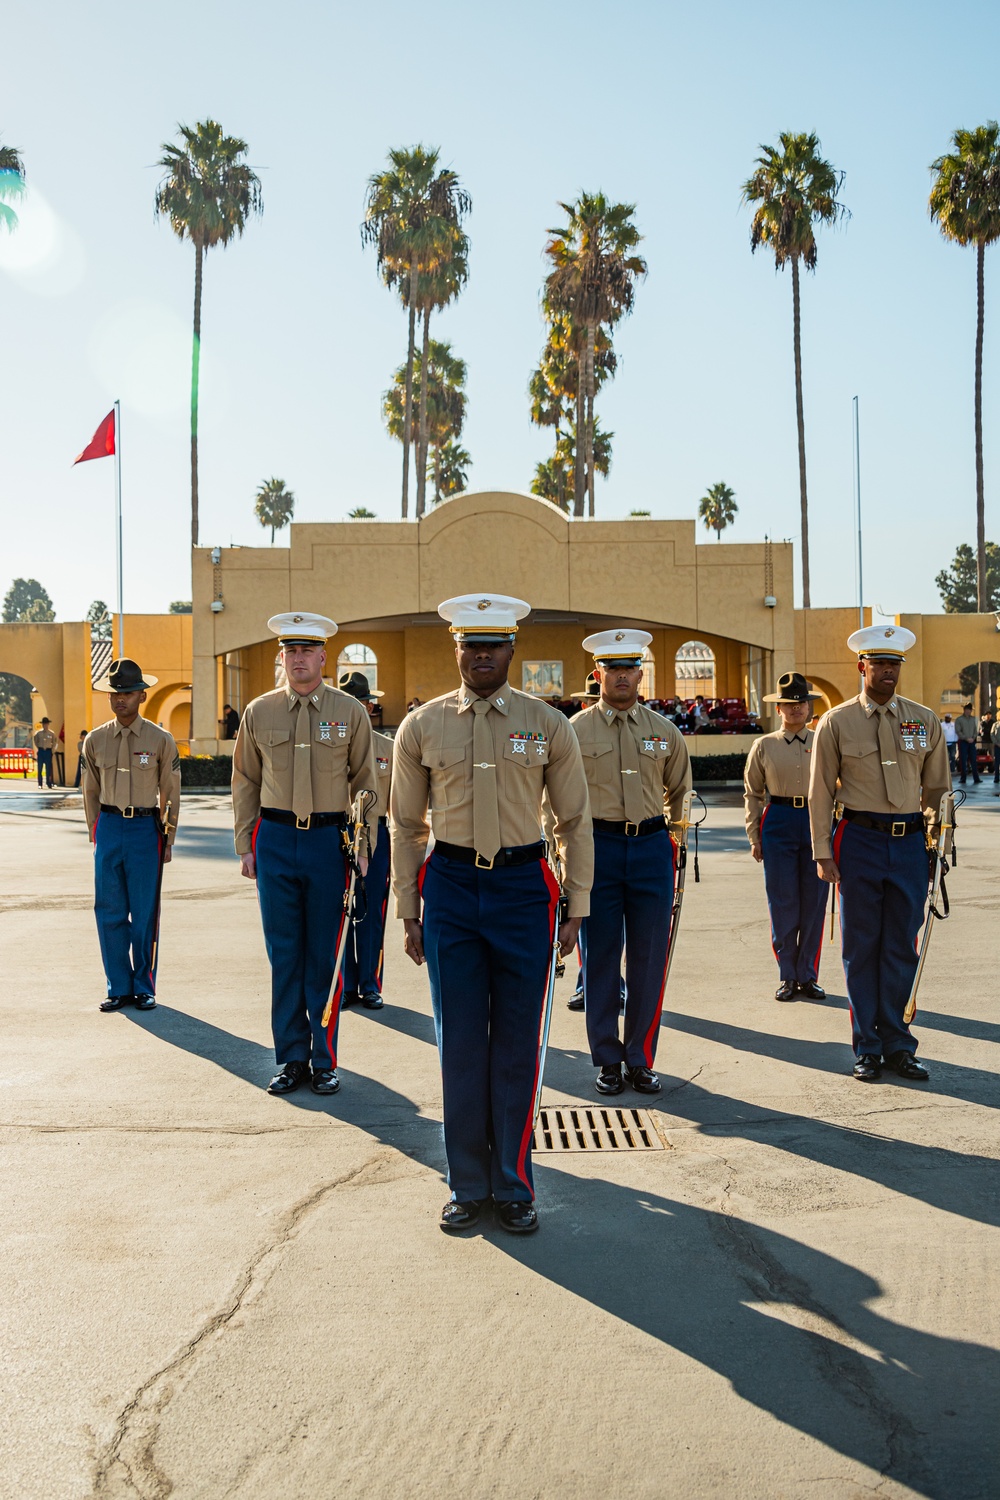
x=408, y=400
x=579, y=472
x=425, y=380
x=591, y=342
x=982, y=599
x=437, y=472
x=800, y=420
x=199, y=255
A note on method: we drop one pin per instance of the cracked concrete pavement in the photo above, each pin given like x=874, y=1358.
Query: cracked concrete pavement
x=211, y=1293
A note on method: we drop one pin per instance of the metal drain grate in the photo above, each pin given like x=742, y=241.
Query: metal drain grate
x=595, y=1128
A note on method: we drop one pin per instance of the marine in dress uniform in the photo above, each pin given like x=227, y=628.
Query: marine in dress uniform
x=302, y=754
x=776, y=796
x=131, y=799
x=363, y=956
x=883, y=757
x=638, y=772
x=471, y=767
x=45, y=742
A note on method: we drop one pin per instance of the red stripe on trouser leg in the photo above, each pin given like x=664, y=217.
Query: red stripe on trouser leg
x=338, y=994
x=553, y=889
x=647, y=1046
x=838, y=838
x=253, y=838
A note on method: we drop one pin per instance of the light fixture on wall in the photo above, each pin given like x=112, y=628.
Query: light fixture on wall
x=217, y=606
x=216, y=556
x=770, y=602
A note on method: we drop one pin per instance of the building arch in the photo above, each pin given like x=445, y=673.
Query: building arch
x=647, y=684
x=694, y=670
x=357, y=657
x=831, y=693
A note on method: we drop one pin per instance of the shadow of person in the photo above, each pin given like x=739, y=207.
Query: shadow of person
x=949, y=1080
x=793, y=1329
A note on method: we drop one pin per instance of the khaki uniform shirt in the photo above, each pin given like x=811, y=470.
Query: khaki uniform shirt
x=383, y=768
x=995, y=733
x=847, y=765
x=134, y=767
x=664, y=763
x=341, y=759
x=45, y=740
x=534, y=749
x=777, y=766
x=967, y=728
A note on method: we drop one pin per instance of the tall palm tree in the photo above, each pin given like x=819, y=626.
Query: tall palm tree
x=208, y=194
x=11, y=185
x=965, y=204
x=438, y=286
x=410, y=211
x=795, y=190
x=593, y=281
x=556, y=388
x=718, y=508
x=274, y=505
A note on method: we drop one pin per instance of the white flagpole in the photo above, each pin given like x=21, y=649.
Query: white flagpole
x=118, y=524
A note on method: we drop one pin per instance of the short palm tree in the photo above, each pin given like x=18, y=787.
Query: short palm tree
x=441, y=397
x=274, y=505
x=361, y=513
x=411, y=213
x=450, y=469
x=795, y=190
x=554, y=477
x=208, y=194
x=592, y=281
x=718, y=508
x=556, y=388
x=965, y=205
x=11, y=185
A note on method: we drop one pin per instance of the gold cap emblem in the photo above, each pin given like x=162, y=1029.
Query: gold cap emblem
x=889, y=632
x=620, y=636
x=483, y=604
x=296, y=619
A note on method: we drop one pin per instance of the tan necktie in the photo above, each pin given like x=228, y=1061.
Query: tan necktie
x=485, y=809
x=302, y=796
x=635, y=803
x=889, y=752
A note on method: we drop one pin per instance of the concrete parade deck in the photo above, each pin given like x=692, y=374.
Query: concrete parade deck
x=211, y=1293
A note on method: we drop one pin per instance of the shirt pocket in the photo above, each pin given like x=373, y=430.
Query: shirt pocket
x=448, y=773
x=329, y=752
x=275, y=744
x=521, y=758
x=145, y=778
x=858, y=753
x=597, y=764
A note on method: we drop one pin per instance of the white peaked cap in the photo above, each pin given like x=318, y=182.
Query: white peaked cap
x=484, y=615
x=617, y=645
x=882, y=640
x=301, y=627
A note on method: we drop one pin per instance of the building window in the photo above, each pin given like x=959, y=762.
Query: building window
x=235, y=681
x=647, y=687
x=694, y=670
x=358, y=658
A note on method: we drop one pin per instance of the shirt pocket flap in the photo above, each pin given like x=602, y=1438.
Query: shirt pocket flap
x=109, y=755
x=277, y=737
x=446, y=755
x=856, y=749
x=591, y=751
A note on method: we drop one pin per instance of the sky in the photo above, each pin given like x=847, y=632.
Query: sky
x=658, y=104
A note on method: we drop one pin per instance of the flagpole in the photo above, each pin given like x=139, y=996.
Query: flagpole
x=118, y=524
x=857, y=498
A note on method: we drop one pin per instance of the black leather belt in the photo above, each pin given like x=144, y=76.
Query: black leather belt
x=314, y=820
x=787, y=801
x=522, y=855
x=129, y=812
x=631, y=830
x=898, y=828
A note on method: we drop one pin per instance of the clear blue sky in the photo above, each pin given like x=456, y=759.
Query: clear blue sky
x=658, y=103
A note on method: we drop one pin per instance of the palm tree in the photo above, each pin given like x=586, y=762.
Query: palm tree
x=438, y=286
x=796, y=190
x=965, y=204
x=411, y=213
x=451, y=465
x=592, y=281
x=208, y=194
x=556, y=387
x=718, y=508
x=11, y=185
x=553, y=478
x=361, y=513
x=274, y=505
x=441, y=397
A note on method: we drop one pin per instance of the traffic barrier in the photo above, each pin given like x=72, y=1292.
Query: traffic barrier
x=17, y=763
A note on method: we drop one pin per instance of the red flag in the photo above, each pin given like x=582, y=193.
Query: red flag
x=102, y=444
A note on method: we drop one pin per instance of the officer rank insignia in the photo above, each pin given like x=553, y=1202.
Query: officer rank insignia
x=913, y=730
x=327, y=726
x=523, y=741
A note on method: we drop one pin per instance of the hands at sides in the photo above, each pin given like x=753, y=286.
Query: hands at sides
x=248, y=866
x=413, y=939
x=757, y=852
x=569, y=931
x=363, y=864
x=826, y=869
x=168, y=854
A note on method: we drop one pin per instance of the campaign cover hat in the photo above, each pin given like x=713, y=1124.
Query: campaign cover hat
x=124, y=676
x=792, y=688
x=358, y=686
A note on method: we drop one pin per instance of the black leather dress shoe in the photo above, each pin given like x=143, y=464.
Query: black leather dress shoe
x=456, y=1216
x=372, y=1000
x=288, y=1078
x=324, y=1081
x=351, y=997
x=609, y=1080
x=517, y=1218
x=906, y=1065
x=785, y=990
x=575, y=1001
x=868, y=1067
x=115, y=1002
x=145, y=1002
x=643, y=1080
x=812, y=990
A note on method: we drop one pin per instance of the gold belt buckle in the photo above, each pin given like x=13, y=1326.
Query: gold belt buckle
x=484, y=864
x=798, y=802
x=898, y=830
x=305, y=822
x=631, y=830
x=128, y=812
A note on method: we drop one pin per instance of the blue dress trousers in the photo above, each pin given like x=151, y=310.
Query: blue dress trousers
x=128, y=856
x=796, y=897
x=366, y=939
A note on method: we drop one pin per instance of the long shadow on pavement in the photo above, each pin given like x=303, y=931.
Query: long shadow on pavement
x=968, y=1026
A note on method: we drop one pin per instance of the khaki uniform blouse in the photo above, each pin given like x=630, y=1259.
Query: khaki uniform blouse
x=777, y=766
x=664, y=763
x=134, y=767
